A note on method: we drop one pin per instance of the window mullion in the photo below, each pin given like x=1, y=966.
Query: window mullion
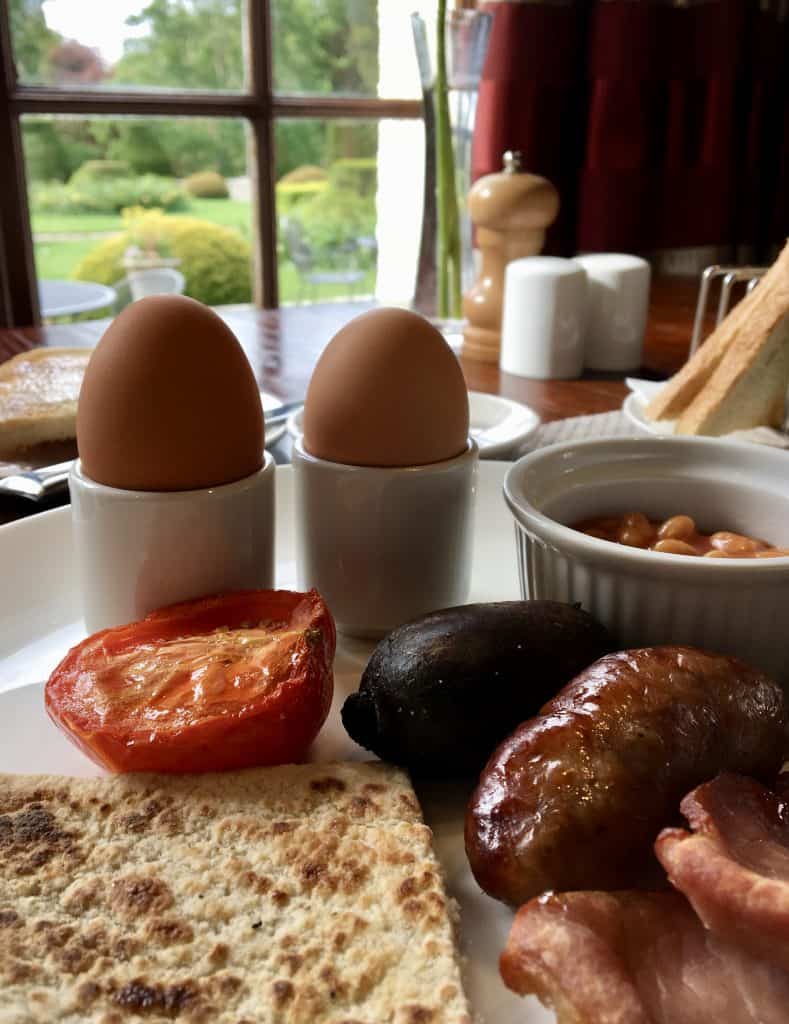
x=18, y=292
x=260, y=78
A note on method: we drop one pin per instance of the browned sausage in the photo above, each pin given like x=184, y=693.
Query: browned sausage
x=575, y=797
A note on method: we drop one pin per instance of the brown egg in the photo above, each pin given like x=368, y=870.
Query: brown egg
x=169, y=401
x=387, y=391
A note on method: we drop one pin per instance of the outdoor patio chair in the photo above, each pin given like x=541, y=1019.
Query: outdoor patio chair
x=306, y=262
x=153, y=281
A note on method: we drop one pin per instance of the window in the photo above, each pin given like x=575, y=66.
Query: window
x=279, y=124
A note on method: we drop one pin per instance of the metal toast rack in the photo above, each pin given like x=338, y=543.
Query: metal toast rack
x=731, y=276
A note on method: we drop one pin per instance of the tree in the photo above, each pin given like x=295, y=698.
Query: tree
x=33, y=42
x=320, y=46
x=195, y=45
x=75, y=64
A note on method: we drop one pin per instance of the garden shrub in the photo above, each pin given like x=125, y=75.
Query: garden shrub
x=215, y=260
x=355, y=174
x=206, y=185
x=109, y=195
x=289, y=196
x=333, y=219
x=305, y=173
x=100, y=170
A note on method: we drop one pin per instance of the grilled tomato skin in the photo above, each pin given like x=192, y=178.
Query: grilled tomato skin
x=224, y=682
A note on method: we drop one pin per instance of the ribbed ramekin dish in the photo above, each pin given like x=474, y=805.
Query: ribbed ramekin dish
x=735, y=606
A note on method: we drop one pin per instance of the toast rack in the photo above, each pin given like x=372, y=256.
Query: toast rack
x=731, y=276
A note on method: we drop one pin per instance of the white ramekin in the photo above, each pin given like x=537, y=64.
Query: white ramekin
x=735, y=606
x=141, y=550
x=384, y=546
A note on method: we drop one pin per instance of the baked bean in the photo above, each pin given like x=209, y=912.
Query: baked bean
x=677, y=527
x=670, y=546
x=677, y=535
x=735, y=544
x=636, y=530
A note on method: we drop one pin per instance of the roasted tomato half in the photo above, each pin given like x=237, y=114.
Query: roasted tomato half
x=224, y=682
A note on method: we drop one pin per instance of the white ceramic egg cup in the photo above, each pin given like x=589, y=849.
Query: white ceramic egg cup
x=138, y=551
x=384, y=546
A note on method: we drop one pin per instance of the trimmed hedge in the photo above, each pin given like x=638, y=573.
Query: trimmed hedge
x=305, y=173
x=216, y=261
x=109, y=195
x=355, y=174
x=100, y=170
x=290, y=196
x=206, y=185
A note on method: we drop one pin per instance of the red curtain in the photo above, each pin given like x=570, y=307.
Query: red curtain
x=531, y=99
x=663, y=125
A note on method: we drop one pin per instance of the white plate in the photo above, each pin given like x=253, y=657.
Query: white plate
x=498, y=425
x=37, y=616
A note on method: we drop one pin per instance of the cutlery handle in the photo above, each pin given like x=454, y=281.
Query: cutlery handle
x=53, y=479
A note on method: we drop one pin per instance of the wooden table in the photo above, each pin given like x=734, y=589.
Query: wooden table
x=284, y=345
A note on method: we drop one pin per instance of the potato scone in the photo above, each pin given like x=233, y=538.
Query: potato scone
x=304, y=894
x=38, y=397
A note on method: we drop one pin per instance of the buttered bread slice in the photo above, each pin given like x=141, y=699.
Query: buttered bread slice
x=306, y=894
x=38, y=397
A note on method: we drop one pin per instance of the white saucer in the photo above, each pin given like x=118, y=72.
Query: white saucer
x=498, y=425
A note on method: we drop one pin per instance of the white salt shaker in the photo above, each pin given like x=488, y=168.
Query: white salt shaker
x=618, y=302
x=542, y=331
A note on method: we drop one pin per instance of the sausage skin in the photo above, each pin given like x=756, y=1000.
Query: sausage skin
x=575, y=797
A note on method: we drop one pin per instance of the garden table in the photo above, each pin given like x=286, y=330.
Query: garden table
x=67, y=298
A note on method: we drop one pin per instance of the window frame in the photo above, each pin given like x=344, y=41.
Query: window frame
x=260, y=106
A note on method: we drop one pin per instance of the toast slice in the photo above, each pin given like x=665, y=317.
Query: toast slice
x=305, y=894
x=748, y=389
x=751, y=322
x=38, y=397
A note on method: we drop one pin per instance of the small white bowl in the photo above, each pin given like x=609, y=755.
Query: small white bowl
x=735, y=606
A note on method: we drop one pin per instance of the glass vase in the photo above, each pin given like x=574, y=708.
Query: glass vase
x=467, y=33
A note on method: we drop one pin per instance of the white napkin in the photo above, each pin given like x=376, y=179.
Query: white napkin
x=645, y=391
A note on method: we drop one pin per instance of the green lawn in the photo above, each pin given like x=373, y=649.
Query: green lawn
x=232, y=213
x=58, y=259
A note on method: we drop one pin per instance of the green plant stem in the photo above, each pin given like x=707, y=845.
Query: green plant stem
x=448, y=247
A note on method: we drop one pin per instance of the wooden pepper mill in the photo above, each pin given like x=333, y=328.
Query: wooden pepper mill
x=511, y=211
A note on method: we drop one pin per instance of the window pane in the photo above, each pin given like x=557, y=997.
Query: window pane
x=114, y=199
x=349, y=208
x=346, y=47
x=123, y=43
x=326, y=194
